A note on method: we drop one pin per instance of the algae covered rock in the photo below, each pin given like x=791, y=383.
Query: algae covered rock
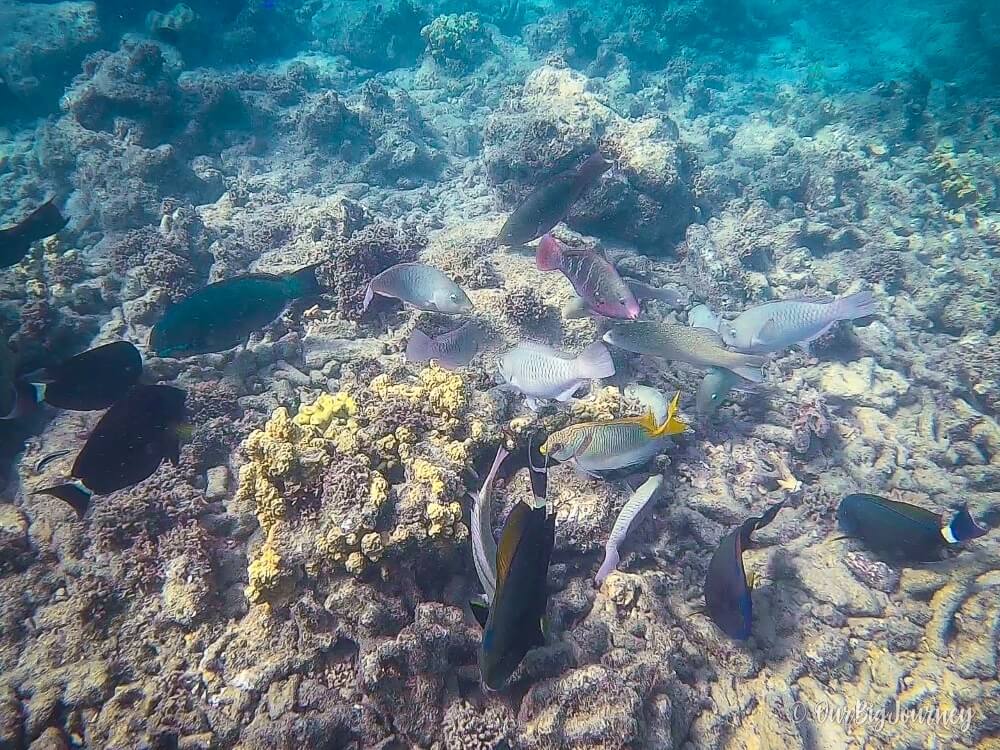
x=456, y=40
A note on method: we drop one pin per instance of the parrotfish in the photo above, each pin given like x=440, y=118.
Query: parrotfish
x=128, y=444
x=224, y=314
x=701, y=316
x=727, y=593
x=515, y=623
x=774, y=326
x=420, y=285
x=903, y=530
x=450, y=350
x=614, y=443
x=696, y=346
x=541, y=372
x=15, y=241
x=592, y=276
x=630, y=513
x=547, y=205
x=91, y=380
x=577, y=307
x=714, y=388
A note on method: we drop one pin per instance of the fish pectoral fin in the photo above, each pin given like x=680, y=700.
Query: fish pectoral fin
x=568, y=393
x=769, y=329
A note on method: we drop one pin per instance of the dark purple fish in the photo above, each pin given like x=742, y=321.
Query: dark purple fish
x=592, y=276
x=547, y=205
x=450, y=350
x=665, y=294
x=727, y=593
x=15, y=241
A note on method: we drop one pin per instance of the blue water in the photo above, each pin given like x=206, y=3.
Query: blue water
x=760, y=150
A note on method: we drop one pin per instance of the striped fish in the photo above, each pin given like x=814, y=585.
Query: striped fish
x=615, y=443
x=593, y=277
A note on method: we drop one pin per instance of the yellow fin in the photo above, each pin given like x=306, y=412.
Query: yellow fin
x=509, y=539
x=671, y=425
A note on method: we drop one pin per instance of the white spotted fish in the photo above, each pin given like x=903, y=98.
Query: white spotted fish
x=774, y=326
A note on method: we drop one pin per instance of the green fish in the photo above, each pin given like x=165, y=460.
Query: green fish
x=224, y=314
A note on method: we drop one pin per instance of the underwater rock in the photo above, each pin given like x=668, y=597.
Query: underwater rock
x=379, y=37
x=456, y=41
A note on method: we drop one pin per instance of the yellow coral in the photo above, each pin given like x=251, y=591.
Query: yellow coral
x=378, y=490
x=265, y=574
x=328, y=407
x=423, y=471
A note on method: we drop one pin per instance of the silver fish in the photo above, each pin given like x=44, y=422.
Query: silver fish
x=696, y=346
x=484, y=545
x=420, y=285
x=541, y=372
x=774, y=326
x=630, y=512
x=701, y=316
x=652, y=399
x=450, y=350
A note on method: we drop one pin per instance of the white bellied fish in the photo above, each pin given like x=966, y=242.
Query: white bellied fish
x=630, y=512
x=420, y=285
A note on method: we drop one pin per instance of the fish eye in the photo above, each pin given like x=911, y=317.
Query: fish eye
x=454, y=297
x=621, y=300
x=732, y=332
x=715, y=396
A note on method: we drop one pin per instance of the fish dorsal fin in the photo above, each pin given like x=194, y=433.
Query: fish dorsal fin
x=671, y=425
x=648, y=422
x=512, y=532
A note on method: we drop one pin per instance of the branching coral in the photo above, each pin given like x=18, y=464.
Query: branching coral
x=359, y=476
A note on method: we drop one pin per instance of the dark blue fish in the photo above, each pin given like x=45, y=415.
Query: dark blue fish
x=515, y=623
x=15, y=241
x=91, y=380
x=902, y=530
x=128, y=444
x=727, y=593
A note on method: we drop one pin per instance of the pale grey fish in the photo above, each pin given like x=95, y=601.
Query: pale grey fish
x=696, y=346
x=714, y=388
x=484, y=544
x=541, y=372
x=420, y=285
x=630, y=512
x=450, y=350
x=701, y=316
x=774, y=326
x=652, y=399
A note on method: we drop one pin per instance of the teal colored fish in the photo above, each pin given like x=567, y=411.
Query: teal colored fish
x=715, y=386
x=224, y=314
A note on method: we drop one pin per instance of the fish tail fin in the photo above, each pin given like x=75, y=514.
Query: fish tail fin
x=962, y=528
x=595, y=362
x=671, y=425
x=859, y=305
x=74, y=494
x=303, y=283
x=420, y=347
x=369, y=296
x=751, y=368
x=23, y=399
x=548, y=256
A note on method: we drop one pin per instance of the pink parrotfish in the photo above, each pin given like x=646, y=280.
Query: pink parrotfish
x=592, y=276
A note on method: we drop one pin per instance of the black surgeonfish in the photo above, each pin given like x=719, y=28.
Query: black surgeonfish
x=128, y=444
x=902, y=530
x=91, y=380
x=547, y=205
x=727, y=593
x=15, y=241
x=515, y=622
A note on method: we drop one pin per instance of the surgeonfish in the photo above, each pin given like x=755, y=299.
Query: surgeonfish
x=696, y=346
x=727, y=593
x=577, y=306
x=701, y=316
x=774, y=326
x=541, y=372
x=515, y=623
x=422, y=286
x=91, y=380
x=902, y=530
x=450, y=350
x=614, y=443
x=627, y=517
x=128, y=444
x=15, y=241
x=592, y=276
x=16, y=397
x=549, y=204
x=714, y=388
x=224, y=314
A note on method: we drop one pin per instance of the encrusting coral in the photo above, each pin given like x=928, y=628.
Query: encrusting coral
x=357, y=476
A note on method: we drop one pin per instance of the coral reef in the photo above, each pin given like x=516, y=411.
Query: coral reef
x=456, y=40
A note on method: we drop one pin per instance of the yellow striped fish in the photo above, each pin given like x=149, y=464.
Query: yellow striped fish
x=614, y=443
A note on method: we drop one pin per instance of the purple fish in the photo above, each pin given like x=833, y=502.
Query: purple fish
x=593, y=277
x=450, y=350
x=547, y=205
